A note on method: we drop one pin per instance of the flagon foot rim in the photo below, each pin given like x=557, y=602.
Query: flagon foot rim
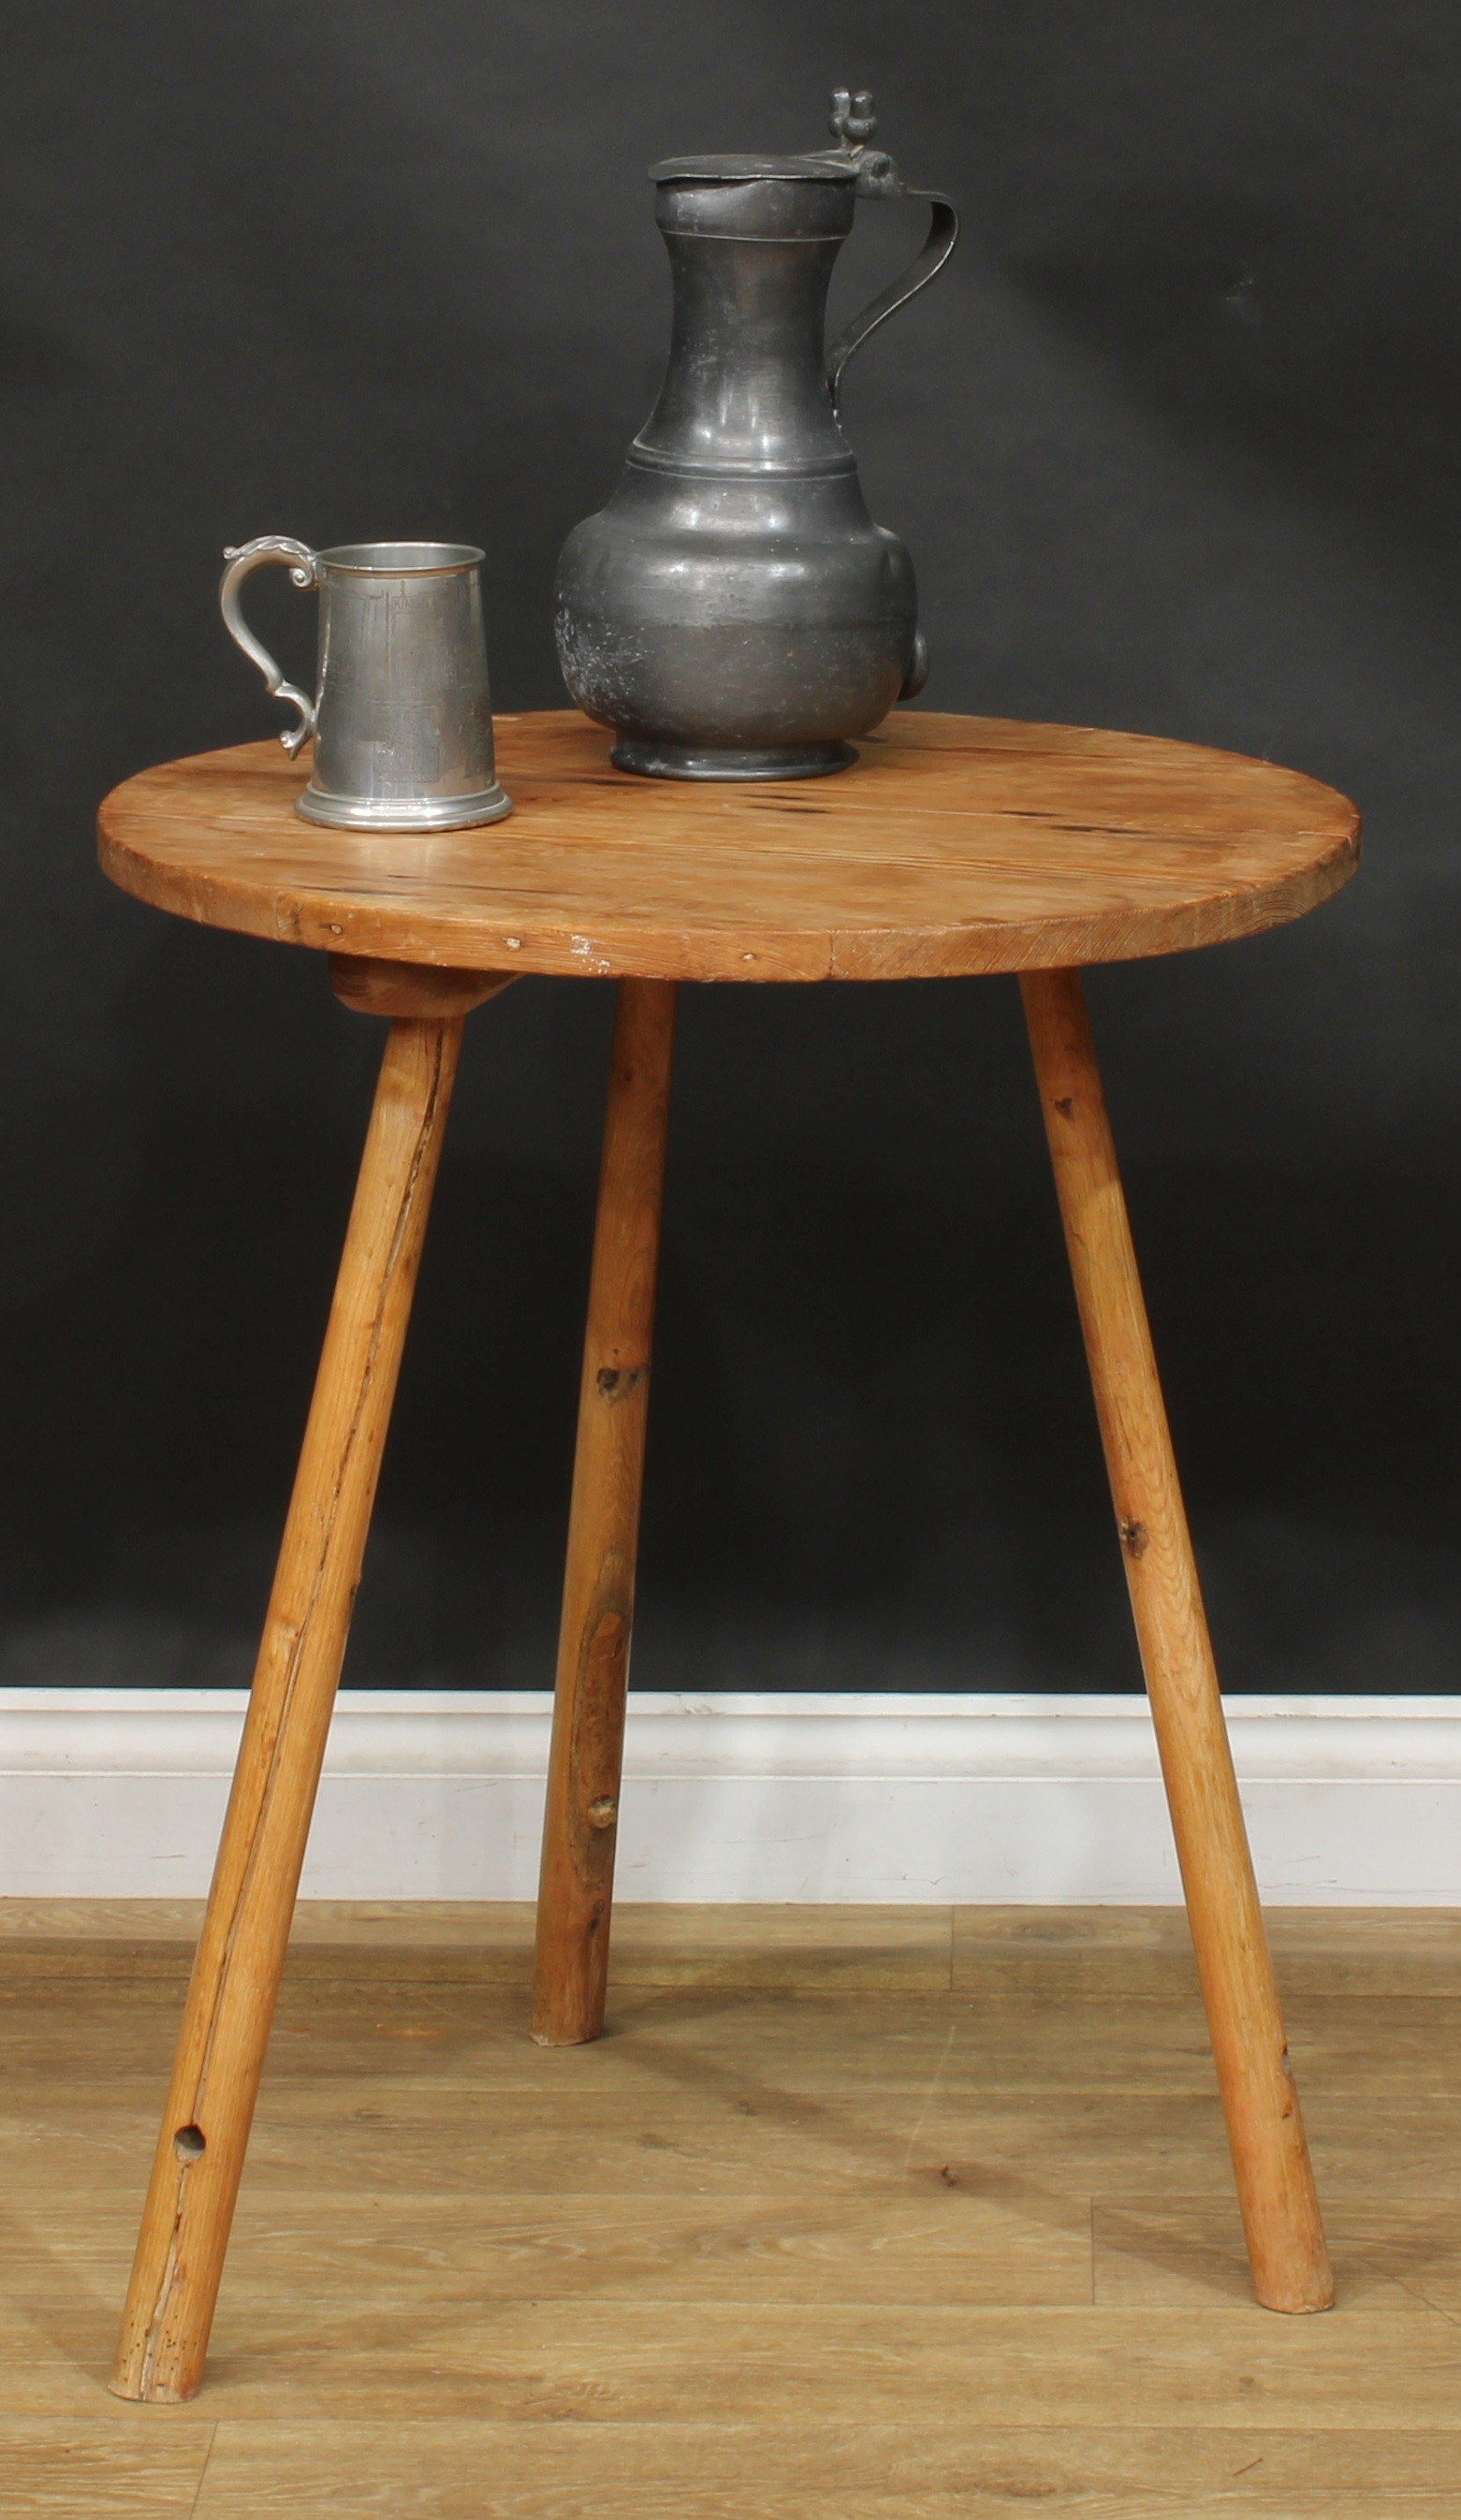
x=731, y=761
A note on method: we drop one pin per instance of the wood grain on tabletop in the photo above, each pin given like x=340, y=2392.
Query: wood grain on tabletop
x=779, y=2242
x=954, y=845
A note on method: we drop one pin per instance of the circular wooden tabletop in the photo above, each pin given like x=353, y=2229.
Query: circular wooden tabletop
x=956, y=844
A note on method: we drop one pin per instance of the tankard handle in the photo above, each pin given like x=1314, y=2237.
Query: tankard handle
x=242, y=560
x=937, y=246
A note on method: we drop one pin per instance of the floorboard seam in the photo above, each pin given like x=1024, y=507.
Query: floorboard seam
x=202, y=2473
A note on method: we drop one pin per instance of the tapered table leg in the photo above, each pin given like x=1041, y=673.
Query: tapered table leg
x=580, y=1824
x=1266, y=2131
x=230, y=2006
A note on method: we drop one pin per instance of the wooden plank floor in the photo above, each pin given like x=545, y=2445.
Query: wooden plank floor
x=856, y=2211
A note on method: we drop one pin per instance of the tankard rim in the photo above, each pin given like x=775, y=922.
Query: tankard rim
x=401, y=560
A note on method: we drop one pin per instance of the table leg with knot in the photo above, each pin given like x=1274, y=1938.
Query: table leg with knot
x=234, y=1982
x=1259, y=2098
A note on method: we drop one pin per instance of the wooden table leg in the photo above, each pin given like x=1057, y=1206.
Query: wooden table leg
x=580, y=1824
x=235, y=1981
x=1266, y=2131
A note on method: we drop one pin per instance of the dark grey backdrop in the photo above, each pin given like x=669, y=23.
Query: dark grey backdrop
x=1176, y=447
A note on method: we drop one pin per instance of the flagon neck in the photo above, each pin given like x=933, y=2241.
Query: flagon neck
x=745, y=389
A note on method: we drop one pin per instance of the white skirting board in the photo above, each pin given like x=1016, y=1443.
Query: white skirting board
x=120, y=1793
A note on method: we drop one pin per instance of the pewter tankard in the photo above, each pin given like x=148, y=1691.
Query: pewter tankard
x=403, y=718
x=733, y=612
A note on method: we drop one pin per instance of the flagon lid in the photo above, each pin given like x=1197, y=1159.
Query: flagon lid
x=830, y=168
x=806, y=196
x=851, y=122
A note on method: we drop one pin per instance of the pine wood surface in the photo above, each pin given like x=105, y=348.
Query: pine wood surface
x=200, y=2149
x=955, y=846
x=1254, y=2072
x=960, y=2242
x=580, y=1820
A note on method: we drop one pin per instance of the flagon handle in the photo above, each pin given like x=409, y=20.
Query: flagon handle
x=852, y=124
x=937, y=246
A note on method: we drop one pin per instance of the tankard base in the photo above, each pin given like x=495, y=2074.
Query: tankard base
x=403, y=813
x=655, y=760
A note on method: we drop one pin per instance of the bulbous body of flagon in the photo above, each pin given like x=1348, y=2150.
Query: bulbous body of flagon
x=733, y=612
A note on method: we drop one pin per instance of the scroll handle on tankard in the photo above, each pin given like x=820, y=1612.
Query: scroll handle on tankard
x=242, y=560
x=854, y=123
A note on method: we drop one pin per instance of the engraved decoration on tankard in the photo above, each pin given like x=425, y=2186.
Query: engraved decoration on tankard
x=402, y=716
